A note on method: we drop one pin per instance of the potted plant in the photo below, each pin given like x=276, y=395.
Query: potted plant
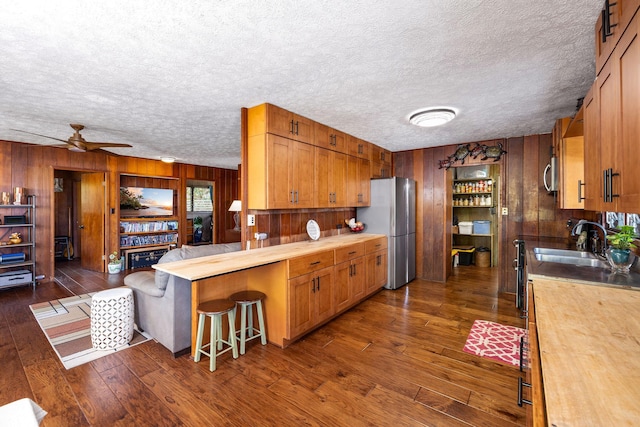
x=115, y=263
x=619, y=253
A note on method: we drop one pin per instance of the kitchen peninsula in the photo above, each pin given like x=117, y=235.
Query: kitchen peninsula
x=306, y=283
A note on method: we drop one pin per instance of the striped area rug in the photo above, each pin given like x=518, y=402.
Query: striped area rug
x=495, y=341
x=66, y=323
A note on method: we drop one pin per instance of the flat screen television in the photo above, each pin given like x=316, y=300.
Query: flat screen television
x=139, y=202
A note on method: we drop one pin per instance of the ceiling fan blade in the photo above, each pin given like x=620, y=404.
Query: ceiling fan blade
x=96, y=145
x=44, y=136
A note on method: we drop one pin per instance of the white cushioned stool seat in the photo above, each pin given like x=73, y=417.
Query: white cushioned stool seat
x=112, y=318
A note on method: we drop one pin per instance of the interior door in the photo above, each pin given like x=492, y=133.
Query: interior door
x=92, y=221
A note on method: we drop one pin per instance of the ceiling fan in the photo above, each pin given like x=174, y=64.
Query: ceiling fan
x=77, y=143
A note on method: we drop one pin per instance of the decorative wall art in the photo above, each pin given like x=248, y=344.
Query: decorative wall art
x=494, y=152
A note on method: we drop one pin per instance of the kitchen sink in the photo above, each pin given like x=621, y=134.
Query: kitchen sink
x=572, y=260
x=562, y=253
x=566, y=256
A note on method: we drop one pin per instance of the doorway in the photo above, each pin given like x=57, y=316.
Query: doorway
x=200, y=218
x=79, y=218
x=475, y=201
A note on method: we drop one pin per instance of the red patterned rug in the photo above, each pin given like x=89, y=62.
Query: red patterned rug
x=495, y=341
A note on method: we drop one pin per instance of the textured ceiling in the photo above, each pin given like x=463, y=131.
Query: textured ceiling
x=170, y=77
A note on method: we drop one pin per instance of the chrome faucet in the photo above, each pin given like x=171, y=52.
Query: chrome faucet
x=585, y=222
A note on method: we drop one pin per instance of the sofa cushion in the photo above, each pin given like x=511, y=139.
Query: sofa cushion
x=162, y=278
x=144, y=281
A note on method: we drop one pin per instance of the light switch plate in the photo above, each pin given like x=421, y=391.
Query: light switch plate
x=505, y=211
x=251, y=220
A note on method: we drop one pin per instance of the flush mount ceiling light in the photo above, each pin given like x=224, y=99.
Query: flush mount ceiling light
x=168, y=159
x=430, y=117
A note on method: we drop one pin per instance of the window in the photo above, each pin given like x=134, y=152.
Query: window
x=200, y=199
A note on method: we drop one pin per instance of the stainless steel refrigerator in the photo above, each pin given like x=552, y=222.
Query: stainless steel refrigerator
x=393, y=212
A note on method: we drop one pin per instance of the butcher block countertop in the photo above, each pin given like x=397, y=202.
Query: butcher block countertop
x=589, y=341
x=215, y=265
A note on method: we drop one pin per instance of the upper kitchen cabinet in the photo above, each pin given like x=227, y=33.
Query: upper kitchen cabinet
x=357, y=147
x=380, y=162
x=268, y=118
x=627, y=55
x=568, y=137
x=358, y=182
x=331, y=179
x=592, y=177
x=613, y=19
x=329, y=138
x=278, y=173
x=617, y=127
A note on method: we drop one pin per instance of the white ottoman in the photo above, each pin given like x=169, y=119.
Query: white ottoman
x=112, y=318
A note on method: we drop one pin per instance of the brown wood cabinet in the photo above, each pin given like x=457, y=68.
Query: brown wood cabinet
x=311, y=289
x=293, y=162
x=268, y=118
x=350, y=276
x=331, y=178
x=357, y=147
x=570, y=151
x=329, y=138
x=358, y=181
x=285, y=179
x=380, y=162
x=376, y=264
x=592, y=176
x=376, y=268
x=618, y=13
x=536, y=412
x=612, y=127
x=310, y=300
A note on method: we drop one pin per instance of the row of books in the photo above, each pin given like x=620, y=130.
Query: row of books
x=156, y=239
x=150, y=226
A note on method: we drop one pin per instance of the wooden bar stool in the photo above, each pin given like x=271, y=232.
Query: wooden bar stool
x=215, y=309
x=246, y=300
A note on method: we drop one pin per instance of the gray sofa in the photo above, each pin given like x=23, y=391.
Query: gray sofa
x=163, y=302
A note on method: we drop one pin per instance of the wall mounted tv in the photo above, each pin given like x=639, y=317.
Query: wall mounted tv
x=139, y=202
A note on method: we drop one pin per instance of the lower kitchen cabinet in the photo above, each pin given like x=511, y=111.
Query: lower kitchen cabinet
x=376, y=263
x=310, y=300
x=536, y=413
x=350, y=283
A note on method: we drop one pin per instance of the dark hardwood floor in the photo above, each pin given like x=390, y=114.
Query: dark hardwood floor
x=395, y=359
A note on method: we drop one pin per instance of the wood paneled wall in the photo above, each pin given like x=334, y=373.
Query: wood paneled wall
x=32, y=167
x=288, y=226
x=532, y=211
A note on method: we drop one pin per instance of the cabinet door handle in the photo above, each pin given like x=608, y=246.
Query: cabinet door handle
x=580, y=184
x=605, y=176
x=611, y=175
x=606, y=21
x=291, y=128
x=318, y=283
x=522, y=400
x=313, y=282
x=350, y=270
x=296, y=132
x=355, y=271
x=315, y=263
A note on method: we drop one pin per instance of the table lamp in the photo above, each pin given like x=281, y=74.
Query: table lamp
x=236, y=207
